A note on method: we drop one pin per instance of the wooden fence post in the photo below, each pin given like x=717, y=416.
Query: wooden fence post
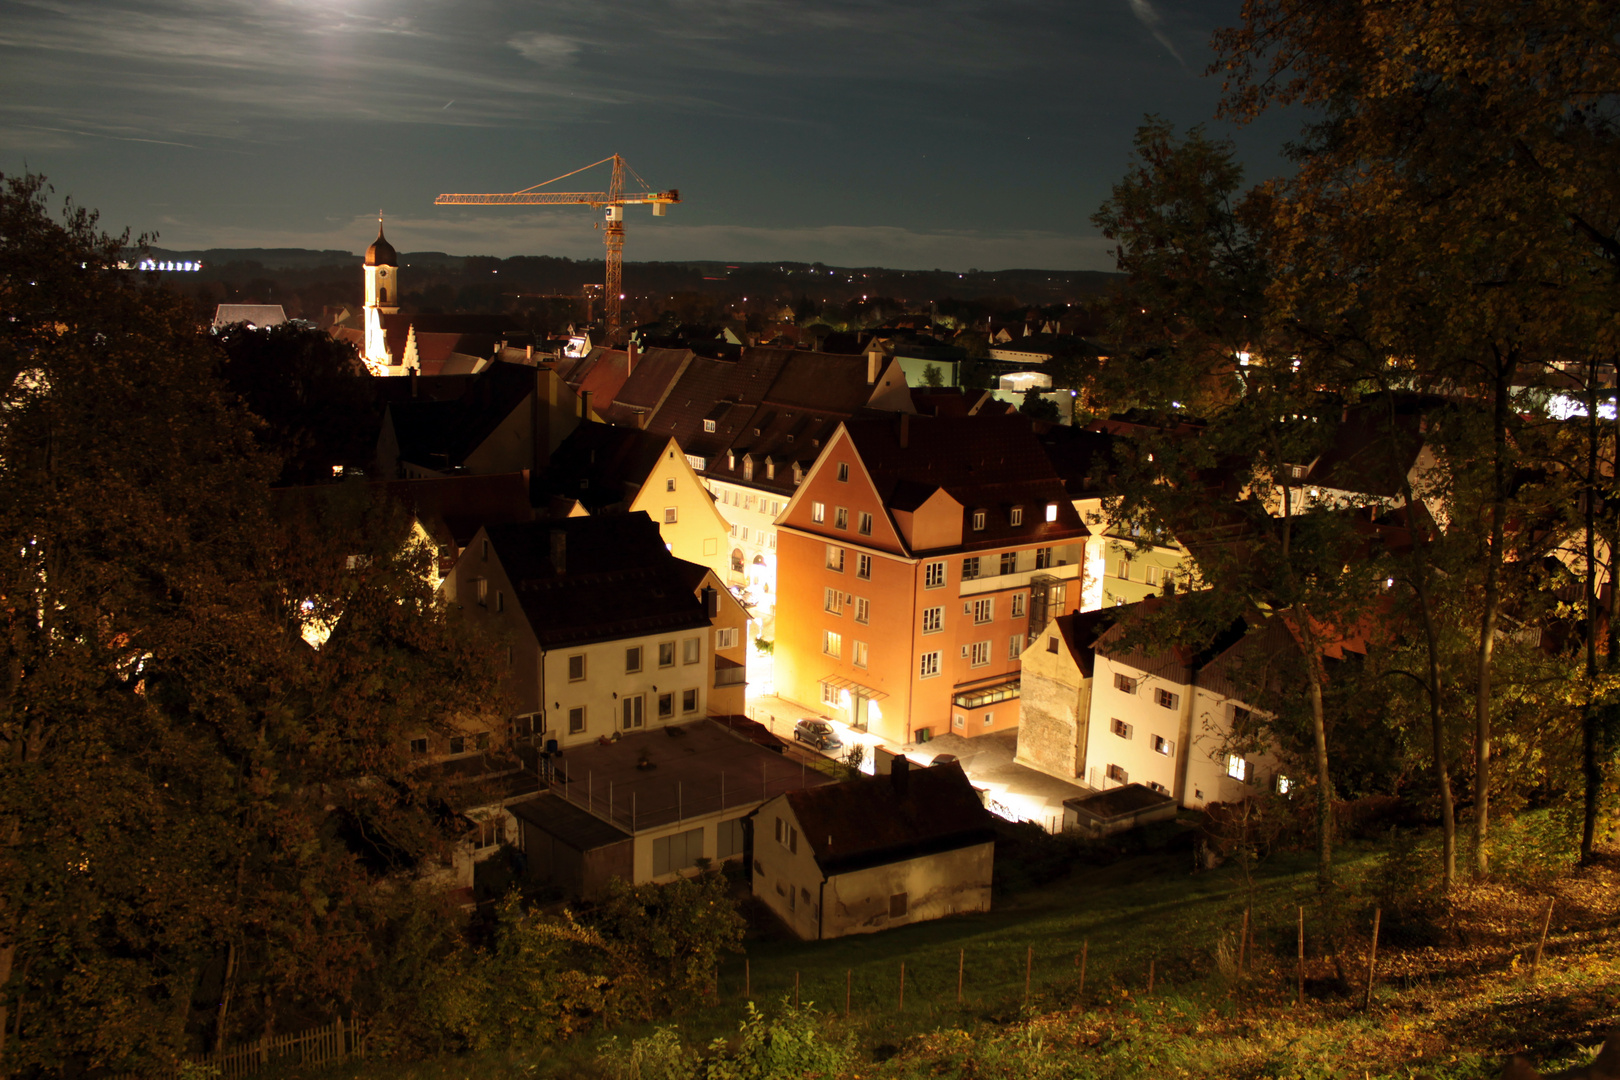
x=748, y=981
x=1372, y=956
x=1546, y=924
x=1085, y=947
x=1243, y=940
x=795, y=989
x=902, y=986
x=849, y=983
x=961, y=963
x=1301, y=998
x=1150, y=978
x=1029, y=965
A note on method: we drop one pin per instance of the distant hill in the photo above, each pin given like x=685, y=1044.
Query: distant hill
x=545, y=275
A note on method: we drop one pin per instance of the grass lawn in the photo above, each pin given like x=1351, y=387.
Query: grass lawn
x=1454, y=992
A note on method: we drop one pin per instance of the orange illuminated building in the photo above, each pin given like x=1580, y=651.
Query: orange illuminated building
x=914, y=562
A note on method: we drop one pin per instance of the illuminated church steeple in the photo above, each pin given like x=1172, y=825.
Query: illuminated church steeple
x=382, y=273
x=382, y=298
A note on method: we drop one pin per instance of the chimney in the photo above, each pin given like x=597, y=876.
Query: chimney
x=528, y=353
x=630, y=359
x=900, y=775
x=559, y=551
x=413, y=382
x=874, y=362
x=585, y=405
x=711, y=603
x=905, y=430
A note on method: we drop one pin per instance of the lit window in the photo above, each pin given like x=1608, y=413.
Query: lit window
x=832, y=644
x=833, y=601
x=818, y=512
x=1237, y=768
x=725, y=637
x=835, y=558
x=691, y=650
x=1051, y=511
x=1164, y=746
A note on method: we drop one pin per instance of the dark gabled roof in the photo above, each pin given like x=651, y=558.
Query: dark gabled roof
x=1374, y=446
x=1080, y=631
x=869, y=822
x=617, y=579
x=1177, y=663
x=464, y=504
x=439, y=335
x=707, y=381
x=1084, y=459
x=600, y=465
x=648, y=384
x=439, y=434
x=989, y=463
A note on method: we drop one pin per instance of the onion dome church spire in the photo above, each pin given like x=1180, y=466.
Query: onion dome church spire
x=382, y=295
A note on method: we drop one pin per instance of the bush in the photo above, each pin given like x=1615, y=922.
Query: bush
x=792, y=1046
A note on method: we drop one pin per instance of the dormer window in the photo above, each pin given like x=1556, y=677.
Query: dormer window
x=770, y=469
x=708, y=425
x=1051, y=511
x=1016, y=517
x=748, y=467
x=798, y=473
x=731, y=461
x=978, y=520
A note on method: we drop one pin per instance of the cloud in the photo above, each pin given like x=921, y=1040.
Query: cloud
x=544, y=48
x=1143, y=10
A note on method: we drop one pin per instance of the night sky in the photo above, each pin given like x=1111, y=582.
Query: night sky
x=903, y=133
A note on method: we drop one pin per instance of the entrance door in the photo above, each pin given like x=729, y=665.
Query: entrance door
x=632, y=712
x=858, y=711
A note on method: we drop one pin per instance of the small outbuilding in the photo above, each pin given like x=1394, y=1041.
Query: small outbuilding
x=1117, y=810
x=872, y=853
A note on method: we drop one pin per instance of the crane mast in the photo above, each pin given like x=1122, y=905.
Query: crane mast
x=612, y=201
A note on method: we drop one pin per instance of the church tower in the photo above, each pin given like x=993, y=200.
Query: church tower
x=382, y=297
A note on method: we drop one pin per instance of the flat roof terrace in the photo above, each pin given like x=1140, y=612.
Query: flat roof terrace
x=652, y=779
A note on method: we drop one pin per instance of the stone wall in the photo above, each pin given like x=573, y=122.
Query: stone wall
x=1051, y=735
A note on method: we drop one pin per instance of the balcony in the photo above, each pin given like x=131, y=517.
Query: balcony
x=996, y=582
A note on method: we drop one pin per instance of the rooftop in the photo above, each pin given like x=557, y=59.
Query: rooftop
x=702, y=769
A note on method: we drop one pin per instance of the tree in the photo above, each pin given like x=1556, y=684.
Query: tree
x=1453, y=209
x=169, y=745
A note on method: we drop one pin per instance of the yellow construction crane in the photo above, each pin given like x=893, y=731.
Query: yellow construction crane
x=613, y=200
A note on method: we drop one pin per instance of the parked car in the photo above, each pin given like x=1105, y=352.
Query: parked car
x=819, y=734
x=943, y=759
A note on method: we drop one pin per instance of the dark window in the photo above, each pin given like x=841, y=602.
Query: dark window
x=897, y=906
